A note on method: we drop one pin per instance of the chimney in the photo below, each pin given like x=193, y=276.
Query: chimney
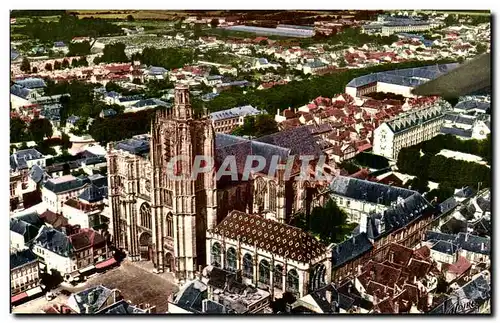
x=86, y=310
x=482, y=246
x=328, y=296
x=396, y=307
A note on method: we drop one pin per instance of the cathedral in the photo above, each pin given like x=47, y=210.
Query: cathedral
x=168, y=221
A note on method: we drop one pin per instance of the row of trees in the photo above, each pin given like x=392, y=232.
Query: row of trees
x=121, y=126
x=67, y=27
x=169, y=58
x=437, y=168
x=58, y=65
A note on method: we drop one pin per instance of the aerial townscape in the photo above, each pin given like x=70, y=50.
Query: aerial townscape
x=249, y=162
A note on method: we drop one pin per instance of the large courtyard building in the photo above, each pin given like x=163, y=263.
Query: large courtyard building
x=400, y=81
x=409, y=129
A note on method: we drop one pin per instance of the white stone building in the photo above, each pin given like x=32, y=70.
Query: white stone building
x=408, y=129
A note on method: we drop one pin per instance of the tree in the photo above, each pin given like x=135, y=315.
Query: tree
x=39, y=129
x=112, y=53
x=74, y=63
x=257, y=126
x=17, y=130
x=25, y=65
x=65, y=64
x=214, y=23
x=57, y=65
x=66, y=169
x=83, y=61
x=34, y=70
x=130, y=18
x=451, y=20
x=418, y=184
x=329, y=223
x=112, y=86
x=48, y=67
x=341, y=62
x=263, y=42
x=481, y=48
x=79, y=48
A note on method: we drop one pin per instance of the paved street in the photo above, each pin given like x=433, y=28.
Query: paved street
x=135, y=281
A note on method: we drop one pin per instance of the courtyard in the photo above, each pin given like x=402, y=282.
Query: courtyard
x=136, y=281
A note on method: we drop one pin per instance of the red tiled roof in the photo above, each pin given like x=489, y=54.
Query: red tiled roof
x=459, y=267
x=18, y=297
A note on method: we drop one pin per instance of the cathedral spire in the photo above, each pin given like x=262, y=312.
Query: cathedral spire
x=182, y=103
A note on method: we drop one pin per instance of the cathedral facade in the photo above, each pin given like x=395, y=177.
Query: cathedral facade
x=157, y=218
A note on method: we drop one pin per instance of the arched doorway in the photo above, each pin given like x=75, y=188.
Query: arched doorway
x=145, y=245
x=317, y=278
x=169, y=262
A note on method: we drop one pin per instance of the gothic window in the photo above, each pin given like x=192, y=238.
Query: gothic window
x=260, y=192
x=231, y=259
x=216, y=255
x=317, y=277
x=272, y=197
x=278, y=276
x=145, y=212
x=248, y=266
x=170, y=225
x=292, y=281
x=264, y=272
x=168, y=198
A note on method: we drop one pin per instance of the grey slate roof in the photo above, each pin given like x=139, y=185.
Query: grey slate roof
x=320, y=298
x=242, y=111
x=21, y=258
x=350, y=249
x=32, y=83
x=58, y=187
x=99, y=295
x=406, y=121
x=150, y=102
x=19, y=158
x=55, y=241
x=445, y=247
x=92, y=193
x=37, y=173
x=458, y=118
x=463, y=240
x=398, y=216
x=368, y=191
x=191, y=295
x=406, y=77
x=134, y=146
x=19, y=91
x=477, y=291
x=473, y=105
x=121, y=307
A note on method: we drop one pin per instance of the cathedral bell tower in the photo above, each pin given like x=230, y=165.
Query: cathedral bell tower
x=183, y=209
